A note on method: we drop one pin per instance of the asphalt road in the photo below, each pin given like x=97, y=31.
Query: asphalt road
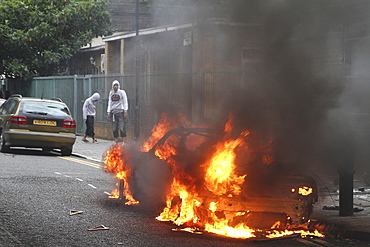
x=38, y=192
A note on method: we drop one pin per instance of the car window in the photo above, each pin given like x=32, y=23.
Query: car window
x=13, y=106
x=44, y=108
x=9, y=106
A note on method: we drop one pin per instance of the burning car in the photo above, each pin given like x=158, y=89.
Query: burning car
x=216, y=182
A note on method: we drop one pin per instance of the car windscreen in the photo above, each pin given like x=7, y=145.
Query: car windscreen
x=44, y=108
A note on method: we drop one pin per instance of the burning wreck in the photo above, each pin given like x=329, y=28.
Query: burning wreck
x=215, y=181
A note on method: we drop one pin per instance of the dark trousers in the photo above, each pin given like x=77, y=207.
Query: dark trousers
x=118, y=125
x=90, y=126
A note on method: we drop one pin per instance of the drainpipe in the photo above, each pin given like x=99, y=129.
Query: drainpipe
x=346, y=192
x=137, y=43
x=75, y=100
x=346, y=170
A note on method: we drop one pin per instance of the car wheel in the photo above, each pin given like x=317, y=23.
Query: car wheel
x=3, y=147
x=66, y=151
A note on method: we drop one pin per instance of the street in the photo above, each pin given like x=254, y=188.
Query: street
x=40, y=191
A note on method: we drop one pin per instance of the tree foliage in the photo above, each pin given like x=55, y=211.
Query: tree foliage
x=38, y=37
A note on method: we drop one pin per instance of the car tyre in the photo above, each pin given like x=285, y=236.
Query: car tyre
x=3, y=147
x=66, y=151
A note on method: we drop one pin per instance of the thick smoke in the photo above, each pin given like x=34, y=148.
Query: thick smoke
x=301, y=101
x=292, y=102
x=296, y=91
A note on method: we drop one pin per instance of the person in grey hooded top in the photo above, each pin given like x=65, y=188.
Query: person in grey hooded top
x=88, y=115
x=117, y=110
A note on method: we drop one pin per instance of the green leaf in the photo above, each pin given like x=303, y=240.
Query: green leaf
x=37, y=37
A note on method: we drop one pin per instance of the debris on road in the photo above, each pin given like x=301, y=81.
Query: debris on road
x=97, y=228
x=74, y=212
x=333, y=207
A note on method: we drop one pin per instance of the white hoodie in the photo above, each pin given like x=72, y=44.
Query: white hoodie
x=117, y=101
x=88, y=108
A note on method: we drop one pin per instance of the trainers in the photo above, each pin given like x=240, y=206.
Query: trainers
x=95, y=141
x=84, y=140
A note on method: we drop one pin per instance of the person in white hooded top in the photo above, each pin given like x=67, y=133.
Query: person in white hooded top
x=117, y=110
x=88, y=113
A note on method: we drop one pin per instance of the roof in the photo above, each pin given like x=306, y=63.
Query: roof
x=95, y=44
x=98, y=43
x=147, y=31
x=162, y=29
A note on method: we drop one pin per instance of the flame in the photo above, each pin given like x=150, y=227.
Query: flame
x=114, y=194
x=179, y=213
x=220, y=177
x=302, y=232
x=305, y=191
x=195, y=204
x=164, y=125
x=117, y=162
x=222, y=226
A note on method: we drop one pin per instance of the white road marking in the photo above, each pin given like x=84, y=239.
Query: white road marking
x=92, y=186
x=83, y=162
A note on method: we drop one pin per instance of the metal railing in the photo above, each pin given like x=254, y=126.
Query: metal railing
x=172, y=92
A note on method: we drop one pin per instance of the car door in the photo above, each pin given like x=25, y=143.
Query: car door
x=6, y=111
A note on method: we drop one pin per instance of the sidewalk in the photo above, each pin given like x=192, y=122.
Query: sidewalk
x=91, y=151
x=353, y=227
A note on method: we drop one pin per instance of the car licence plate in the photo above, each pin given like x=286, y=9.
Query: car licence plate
x=44, y=122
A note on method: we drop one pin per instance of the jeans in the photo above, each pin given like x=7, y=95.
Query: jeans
x=119, y=125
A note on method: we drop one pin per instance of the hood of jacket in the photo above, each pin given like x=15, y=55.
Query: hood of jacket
x=114, y=83
x=95, y=97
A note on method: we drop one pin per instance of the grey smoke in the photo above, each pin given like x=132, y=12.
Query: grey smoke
x=302, y=101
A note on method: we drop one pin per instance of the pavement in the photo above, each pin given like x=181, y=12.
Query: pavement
x=325, y=214
x=90, y=150
x=326, y=210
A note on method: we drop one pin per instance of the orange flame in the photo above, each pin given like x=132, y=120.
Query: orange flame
x=220, y=177
x=302, y=232
x=305, y=191
x=195, y=204
x=164, y=125
x=114, y=194
x=116, y=161
x=182, y=212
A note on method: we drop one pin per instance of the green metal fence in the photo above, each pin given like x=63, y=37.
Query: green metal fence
x=153, y=90
x=73, y=90
x=156, y=92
